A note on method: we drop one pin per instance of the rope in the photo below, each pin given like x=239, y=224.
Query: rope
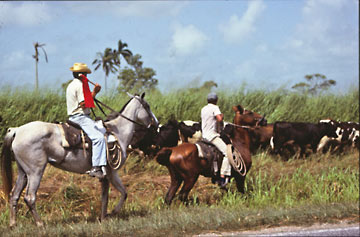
x=83, y=143
x=238, y=163
x=242, y=163
x=115, y=160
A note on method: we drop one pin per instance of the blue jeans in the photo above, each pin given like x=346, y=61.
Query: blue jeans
x=97, y=138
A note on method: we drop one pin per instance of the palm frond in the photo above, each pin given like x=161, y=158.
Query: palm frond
x=46, y=58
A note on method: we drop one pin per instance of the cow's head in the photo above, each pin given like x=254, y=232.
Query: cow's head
x=248, y=118
x=143, y=138
x=227, y=133
x=330, y=127
x=168, y=135
x=186, y=131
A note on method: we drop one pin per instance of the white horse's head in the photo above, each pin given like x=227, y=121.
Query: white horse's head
x=144, y=114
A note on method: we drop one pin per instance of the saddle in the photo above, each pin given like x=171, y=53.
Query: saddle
x=211, y=153
x=73, y=136
x=208, y=151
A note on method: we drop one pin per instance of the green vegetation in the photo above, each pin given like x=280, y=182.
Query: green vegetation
x=21, y=106
x=316, y=83
x=321, y=188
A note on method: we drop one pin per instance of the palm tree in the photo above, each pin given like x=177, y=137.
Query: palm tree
x=108, y=62
x=36, y=56
x=126, y=53
x=135, y=61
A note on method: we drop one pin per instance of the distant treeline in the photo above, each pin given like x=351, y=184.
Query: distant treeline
x=21, y=106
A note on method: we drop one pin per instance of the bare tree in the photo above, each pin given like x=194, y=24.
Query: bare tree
x=36, y=56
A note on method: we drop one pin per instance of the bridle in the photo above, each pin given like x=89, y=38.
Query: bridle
x=258, y=122
x=98, y=103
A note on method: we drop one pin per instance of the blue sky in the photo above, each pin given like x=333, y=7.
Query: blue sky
x=263, y=44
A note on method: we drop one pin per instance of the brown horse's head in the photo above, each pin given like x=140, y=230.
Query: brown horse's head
x=248, y=118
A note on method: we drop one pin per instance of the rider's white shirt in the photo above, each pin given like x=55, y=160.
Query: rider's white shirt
x=208, y=121
x=75, y=95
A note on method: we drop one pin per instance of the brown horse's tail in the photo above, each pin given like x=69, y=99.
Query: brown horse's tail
x=6, y=169
x=163, y=156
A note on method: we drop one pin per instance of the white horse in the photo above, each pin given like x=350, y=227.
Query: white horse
x=38, y=143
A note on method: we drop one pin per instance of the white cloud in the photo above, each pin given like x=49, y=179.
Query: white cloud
x=238, y=29
x=321, y=34
x=24, y=13
x=187, y=40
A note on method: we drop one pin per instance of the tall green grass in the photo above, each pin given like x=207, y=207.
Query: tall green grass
x=21, y=106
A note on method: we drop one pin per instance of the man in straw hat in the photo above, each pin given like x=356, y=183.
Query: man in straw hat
x=210, y=116
x=79, y=100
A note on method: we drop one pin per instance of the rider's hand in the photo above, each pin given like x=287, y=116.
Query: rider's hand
x=82, y=104
x=97, y=88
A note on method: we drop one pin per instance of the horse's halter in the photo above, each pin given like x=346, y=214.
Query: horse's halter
x=258, y=120
x=147, y=109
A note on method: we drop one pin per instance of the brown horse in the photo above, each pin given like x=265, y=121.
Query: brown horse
x=184, y=164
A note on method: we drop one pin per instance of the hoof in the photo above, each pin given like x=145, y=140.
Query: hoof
x=40, y=224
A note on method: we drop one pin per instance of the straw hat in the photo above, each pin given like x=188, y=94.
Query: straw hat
x=80, y=67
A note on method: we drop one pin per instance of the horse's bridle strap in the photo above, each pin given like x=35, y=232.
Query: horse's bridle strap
x=112, y=110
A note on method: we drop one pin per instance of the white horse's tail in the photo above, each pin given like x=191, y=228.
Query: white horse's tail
x=6, y=169
x=10, y=135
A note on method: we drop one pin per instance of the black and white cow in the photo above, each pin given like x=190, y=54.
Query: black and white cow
x=347, y=135
x=301, y=134
x=170, y=134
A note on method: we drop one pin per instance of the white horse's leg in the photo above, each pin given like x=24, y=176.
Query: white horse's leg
x=116, y=182
x=104, y=197
x=34, y=172
x=15, y=194
x=30, y=196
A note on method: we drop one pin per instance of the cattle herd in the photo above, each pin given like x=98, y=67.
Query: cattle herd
x=281, y=138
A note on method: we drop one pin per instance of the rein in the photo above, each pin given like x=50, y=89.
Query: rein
x=239, y=126
x=112, y=110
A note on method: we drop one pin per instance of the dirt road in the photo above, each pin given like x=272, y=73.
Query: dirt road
x=342, y=228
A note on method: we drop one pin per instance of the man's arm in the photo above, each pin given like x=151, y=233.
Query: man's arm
x=219, y=117
x=219, y=123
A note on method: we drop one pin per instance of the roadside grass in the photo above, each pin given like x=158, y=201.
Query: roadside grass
x=322, y=188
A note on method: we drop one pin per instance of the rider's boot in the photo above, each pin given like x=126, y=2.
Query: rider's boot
x=96, y=172
x=224, y=181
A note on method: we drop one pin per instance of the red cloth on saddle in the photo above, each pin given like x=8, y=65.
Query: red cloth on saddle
x=89, y=101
